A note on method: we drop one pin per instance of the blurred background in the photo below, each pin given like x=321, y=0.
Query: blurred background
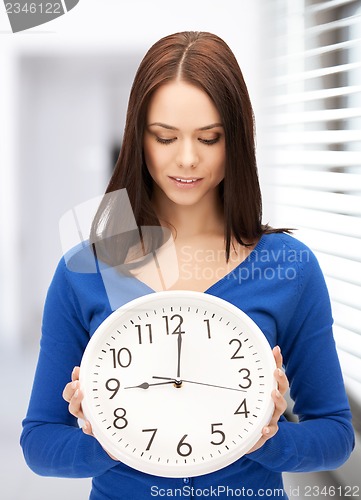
x=63, y=97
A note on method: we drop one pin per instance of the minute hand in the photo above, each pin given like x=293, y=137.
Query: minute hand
x=179, y=353
x=199, y=383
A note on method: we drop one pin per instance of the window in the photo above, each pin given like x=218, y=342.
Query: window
x=311, y=149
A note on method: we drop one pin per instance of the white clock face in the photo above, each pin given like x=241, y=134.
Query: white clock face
x=178, y=383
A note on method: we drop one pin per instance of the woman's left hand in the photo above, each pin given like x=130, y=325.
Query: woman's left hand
x=280, y=403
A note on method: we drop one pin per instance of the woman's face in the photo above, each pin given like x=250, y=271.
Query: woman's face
x=184, y=145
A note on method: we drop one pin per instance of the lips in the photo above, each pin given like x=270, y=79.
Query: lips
x=186, y=181
x=179, y=179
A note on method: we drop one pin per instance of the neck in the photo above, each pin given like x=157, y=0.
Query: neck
x=191, y=221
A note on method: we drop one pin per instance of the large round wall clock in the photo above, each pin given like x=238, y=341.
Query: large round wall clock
x=178, y=383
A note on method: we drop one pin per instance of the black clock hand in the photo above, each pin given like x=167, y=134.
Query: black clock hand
x=179, y=382
x=179, y=353
x=145, y=385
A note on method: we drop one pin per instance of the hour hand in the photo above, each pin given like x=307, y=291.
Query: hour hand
x=145, y=385
x=178, y=383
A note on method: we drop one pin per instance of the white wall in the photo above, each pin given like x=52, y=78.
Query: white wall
x=63, y=95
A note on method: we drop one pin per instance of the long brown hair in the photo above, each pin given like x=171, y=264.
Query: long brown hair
x=204, y=60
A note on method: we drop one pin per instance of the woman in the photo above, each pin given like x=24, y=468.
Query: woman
x=188, y=165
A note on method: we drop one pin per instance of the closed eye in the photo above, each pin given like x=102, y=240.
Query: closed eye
x=209, y=142
x=165, y=141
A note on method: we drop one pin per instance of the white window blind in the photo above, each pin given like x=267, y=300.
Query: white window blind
x=311, y=145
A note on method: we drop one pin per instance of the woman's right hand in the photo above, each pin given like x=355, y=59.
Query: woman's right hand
x=73, y=395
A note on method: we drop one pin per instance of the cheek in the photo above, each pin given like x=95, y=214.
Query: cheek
x=155, y=158
x=150, y=160
x=219, y=164
x=147, y=151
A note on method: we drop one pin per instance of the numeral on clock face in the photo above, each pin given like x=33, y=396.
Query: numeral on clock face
x=239, y=345
x=184, y=449
x=152, y=437
x=140, y=337
x=246, y=376
x=221, y=437
x=112, y=382
x=120, y=421
x=242, y=409
x=177, y=320
x=122, y=357
x=208, y=327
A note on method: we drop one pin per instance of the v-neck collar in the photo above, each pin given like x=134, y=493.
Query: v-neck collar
x=224, y=278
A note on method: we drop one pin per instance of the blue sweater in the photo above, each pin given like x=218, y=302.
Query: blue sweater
x=280, y=286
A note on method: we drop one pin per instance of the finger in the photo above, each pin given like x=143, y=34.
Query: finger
x=75, y=373
x=280, y=404
x=280, y=407
x=72, y=386
x=278, y=356
x=69, y=390
x=282, y=380
x=87, y=428
x=75, y=405
x=279, y=374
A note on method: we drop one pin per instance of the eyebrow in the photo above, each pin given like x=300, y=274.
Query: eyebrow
x=169, y=127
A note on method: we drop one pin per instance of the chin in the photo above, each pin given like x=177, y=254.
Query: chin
x=184, y=201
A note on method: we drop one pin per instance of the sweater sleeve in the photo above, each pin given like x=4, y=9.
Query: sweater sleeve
x=323, y=437
x=52, y=442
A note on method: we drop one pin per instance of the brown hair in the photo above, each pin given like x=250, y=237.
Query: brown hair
x=205, y=60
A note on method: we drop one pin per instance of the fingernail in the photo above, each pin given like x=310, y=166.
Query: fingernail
x=280, y=372
x=74, y=384
x=278, y=394
x=76, y=393
x=266, y=430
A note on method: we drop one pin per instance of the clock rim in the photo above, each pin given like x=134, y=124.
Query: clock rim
x=179, y=470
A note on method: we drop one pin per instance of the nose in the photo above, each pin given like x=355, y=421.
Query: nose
x=187, y=155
